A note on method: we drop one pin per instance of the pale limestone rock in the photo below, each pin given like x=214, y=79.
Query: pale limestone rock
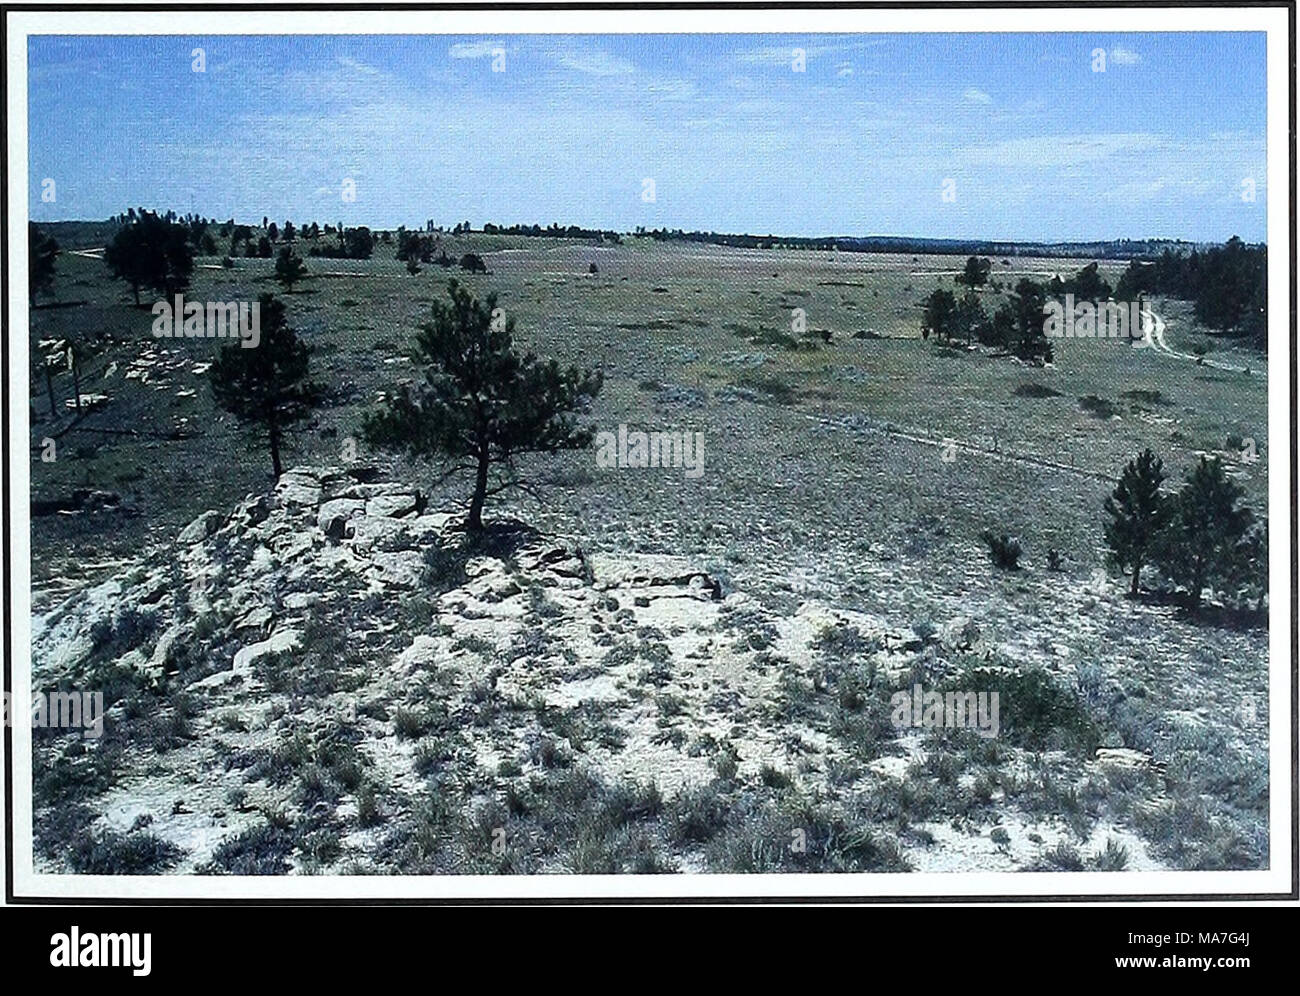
x=158, y=661
x=334, y=516
x=201, y=528
x=392, y=506
x=388, y=535
x=402, y=569
x=254, y=618
x=278, y=642
x=298, y=487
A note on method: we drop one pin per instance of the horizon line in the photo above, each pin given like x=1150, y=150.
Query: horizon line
x=878, y=237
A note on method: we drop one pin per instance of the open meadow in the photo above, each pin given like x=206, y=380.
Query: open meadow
x=656, y=670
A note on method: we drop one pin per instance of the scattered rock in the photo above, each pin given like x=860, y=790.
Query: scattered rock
x=252, y=512
x=392, y=506
x=402, y=569
x=1127, y=759
x=298, y=487
x=201, y=528
x=334, y=516
x=257, y=618
x=280, y=641
x=961, y=634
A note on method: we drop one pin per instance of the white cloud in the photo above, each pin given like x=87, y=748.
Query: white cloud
x=1061, y=150
x=974, y=96
x=348, y=82
x=1124, y=56
x=473, y=50
x=778, y=55
x=771, y=56
x=594, y=62
x=1128, y=168
x=360, y=67
x=845, y=69
x=672, y=89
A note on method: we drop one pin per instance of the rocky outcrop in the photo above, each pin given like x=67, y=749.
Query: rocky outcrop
x=320, y=535
x=333, y=655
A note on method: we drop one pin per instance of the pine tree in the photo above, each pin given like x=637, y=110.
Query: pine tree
x=976, y=273
x=152, y=252
x=42, y=251
x=1209, y=522
x=1031, y=334
x=1138, y=513
x=289, y=268
x=1001, y=330
x=266, y=386
x=970, y=320
x=940, y=315
x=482, y=404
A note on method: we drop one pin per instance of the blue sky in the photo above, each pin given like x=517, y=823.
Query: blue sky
x=1039, y=145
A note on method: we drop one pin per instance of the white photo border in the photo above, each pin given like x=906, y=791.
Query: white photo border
x=1279, y=882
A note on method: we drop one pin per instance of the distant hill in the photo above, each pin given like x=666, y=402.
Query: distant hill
x=92, y=234
x=1110, y=249
x=80, y=234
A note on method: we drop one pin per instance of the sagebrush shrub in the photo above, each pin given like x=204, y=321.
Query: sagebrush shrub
x=1003, y=549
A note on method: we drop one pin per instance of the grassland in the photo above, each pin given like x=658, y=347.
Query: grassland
x=688, y=336
x=826, y=480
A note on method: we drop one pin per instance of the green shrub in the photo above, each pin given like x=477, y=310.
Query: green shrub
x=261, y=850
x=113, y=853
x=1004, y=550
